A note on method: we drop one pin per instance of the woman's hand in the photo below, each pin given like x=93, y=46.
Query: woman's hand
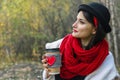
x=44, y=61
x=45, y=66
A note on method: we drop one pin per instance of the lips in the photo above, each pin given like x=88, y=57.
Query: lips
x=75, y=30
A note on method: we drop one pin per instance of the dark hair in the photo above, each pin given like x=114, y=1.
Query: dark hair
x=100, y=11
x=100, y=33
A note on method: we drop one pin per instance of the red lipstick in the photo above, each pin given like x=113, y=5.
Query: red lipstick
x=75, y=30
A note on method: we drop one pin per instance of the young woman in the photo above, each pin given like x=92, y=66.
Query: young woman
x=85, y=52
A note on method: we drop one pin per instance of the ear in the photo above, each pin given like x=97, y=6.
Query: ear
x=94, y=31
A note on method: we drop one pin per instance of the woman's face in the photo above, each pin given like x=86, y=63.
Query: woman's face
x=82, y=28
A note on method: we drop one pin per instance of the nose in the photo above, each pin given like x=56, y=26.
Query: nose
x=74, y=24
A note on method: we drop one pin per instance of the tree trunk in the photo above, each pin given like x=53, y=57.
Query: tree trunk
x=112, y=8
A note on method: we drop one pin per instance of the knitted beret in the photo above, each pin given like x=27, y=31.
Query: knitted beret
x=100, y=12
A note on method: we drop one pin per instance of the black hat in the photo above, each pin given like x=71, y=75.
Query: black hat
x=100, y=12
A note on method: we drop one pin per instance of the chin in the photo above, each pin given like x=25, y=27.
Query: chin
x=75, y=35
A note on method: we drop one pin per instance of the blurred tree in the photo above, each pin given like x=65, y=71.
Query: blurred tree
x=26, y=25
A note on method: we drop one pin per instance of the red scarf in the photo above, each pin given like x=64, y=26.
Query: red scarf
x=77, y=61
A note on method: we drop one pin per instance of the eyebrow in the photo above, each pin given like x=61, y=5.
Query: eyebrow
x=82, y=19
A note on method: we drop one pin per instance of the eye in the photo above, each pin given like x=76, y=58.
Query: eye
x=82, y=22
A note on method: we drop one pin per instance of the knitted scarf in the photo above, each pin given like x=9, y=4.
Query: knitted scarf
x=77, y=61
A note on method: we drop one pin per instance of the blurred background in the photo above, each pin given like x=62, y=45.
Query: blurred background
x=26, y=25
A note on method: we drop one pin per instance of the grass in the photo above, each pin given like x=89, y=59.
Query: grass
x=9, y=60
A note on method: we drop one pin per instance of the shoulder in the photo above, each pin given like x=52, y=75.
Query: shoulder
x=107, y=70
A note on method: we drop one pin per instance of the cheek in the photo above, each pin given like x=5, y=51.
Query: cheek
x=82, y=29
x=82, y=32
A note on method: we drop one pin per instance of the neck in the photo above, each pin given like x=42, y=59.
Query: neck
x=85, y=42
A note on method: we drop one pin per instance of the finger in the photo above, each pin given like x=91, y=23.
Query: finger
x=47, y=69
x=44, y=61
x=45, y=66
